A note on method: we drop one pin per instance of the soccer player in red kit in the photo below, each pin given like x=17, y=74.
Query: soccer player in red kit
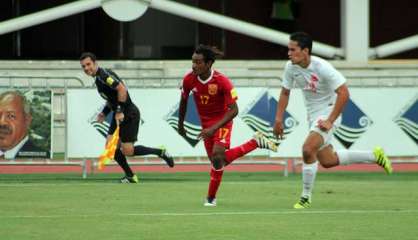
x=215, y=99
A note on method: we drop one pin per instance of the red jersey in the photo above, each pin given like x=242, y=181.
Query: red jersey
x=211, y=96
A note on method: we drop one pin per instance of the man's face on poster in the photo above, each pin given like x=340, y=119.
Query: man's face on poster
x=14, y=122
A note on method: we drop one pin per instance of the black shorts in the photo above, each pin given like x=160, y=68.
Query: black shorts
x=129, y=127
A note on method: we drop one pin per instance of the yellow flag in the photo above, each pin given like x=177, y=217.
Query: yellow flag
x=109, y=152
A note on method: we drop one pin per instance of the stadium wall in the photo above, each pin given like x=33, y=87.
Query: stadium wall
x=61, y=75
x=374, y=116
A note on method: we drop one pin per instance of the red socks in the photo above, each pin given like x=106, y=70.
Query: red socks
x=240, y=151
x=231, y=155
x=215, y=181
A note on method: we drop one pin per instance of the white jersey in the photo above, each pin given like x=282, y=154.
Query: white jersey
x=318, y=83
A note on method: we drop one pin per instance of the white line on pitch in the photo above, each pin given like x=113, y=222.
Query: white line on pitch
x=174, y=214
x=115, y=183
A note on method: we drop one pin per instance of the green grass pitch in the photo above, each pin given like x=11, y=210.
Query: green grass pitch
x=170, y=206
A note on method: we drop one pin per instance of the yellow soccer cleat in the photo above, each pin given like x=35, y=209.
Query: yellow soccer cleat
x=133, y=179
x=303, y=203
x=264, y=143
x=382, y=160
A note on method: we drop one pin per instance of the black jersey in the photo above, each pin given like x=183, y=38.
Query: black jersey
x=106, y=82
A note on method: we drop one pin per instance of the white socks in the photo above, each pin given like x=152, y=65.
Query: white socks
x=308, y=178
x=348, y=157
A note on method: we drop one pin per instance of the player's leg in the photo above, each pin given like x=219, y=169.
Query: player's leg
x=130, y=131
x=119, y=157
x=258, y=141
x=223, y=135
x=309, y=168
x=127, y=148
x=330, y=158
x=128, y=135
x=223, y=138
x=378, y=156
x=216, y=173
x=239, y=151
x=130, y=177
x=327, y=157
x=141, y=150
x=317, y=140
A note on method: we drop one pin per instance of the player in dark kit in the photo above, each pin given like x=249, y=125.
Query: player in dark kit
x=127, y=115
x=215, y=99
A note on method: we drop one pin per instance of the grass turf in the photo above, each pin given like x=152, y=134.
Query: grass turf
x=170, y=206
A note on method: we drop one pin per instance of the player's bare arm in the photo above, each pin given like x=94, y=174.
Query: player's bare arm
x=231, y=114
x=102, y=115
x=122, y=96
x=342, y=98
x=182, y=115
x=281, y=107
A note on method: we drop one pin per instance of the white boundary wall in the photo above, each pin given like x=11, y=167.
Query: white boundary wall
x=381, y=105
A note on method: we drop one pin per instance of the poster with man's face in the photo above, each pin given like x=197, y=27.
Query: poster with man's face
x=25, y=123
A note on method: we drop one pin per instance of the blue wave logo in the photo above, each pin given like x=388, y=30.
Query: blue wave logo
x=103, y=127
x=408, y=120
x=191, y=122
x=261, y=113
x=354, y=124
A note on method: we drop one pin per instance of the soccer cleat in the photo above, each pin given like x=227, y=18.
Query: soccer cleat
x=382, y=160
x=264, y=142
x=210, y=202
x=303, y=203
x=166, y=157
x=126, y=179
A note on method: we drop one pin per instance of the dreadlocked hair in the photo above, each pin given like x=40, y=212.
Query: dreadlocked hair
x=210, y=53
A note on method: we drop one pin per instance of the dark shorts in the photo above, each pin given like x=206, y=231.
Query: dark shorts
x=129, y=126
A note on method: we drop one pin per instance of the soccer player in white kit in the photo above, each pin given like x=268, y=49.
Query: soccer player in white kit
x=325, y=93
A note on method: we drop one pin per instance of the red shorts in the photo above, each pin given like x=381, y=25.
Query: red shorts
x=221, y=137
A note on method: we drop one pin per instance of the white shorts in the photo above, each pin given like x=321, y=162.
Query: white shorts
x=326, y=136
